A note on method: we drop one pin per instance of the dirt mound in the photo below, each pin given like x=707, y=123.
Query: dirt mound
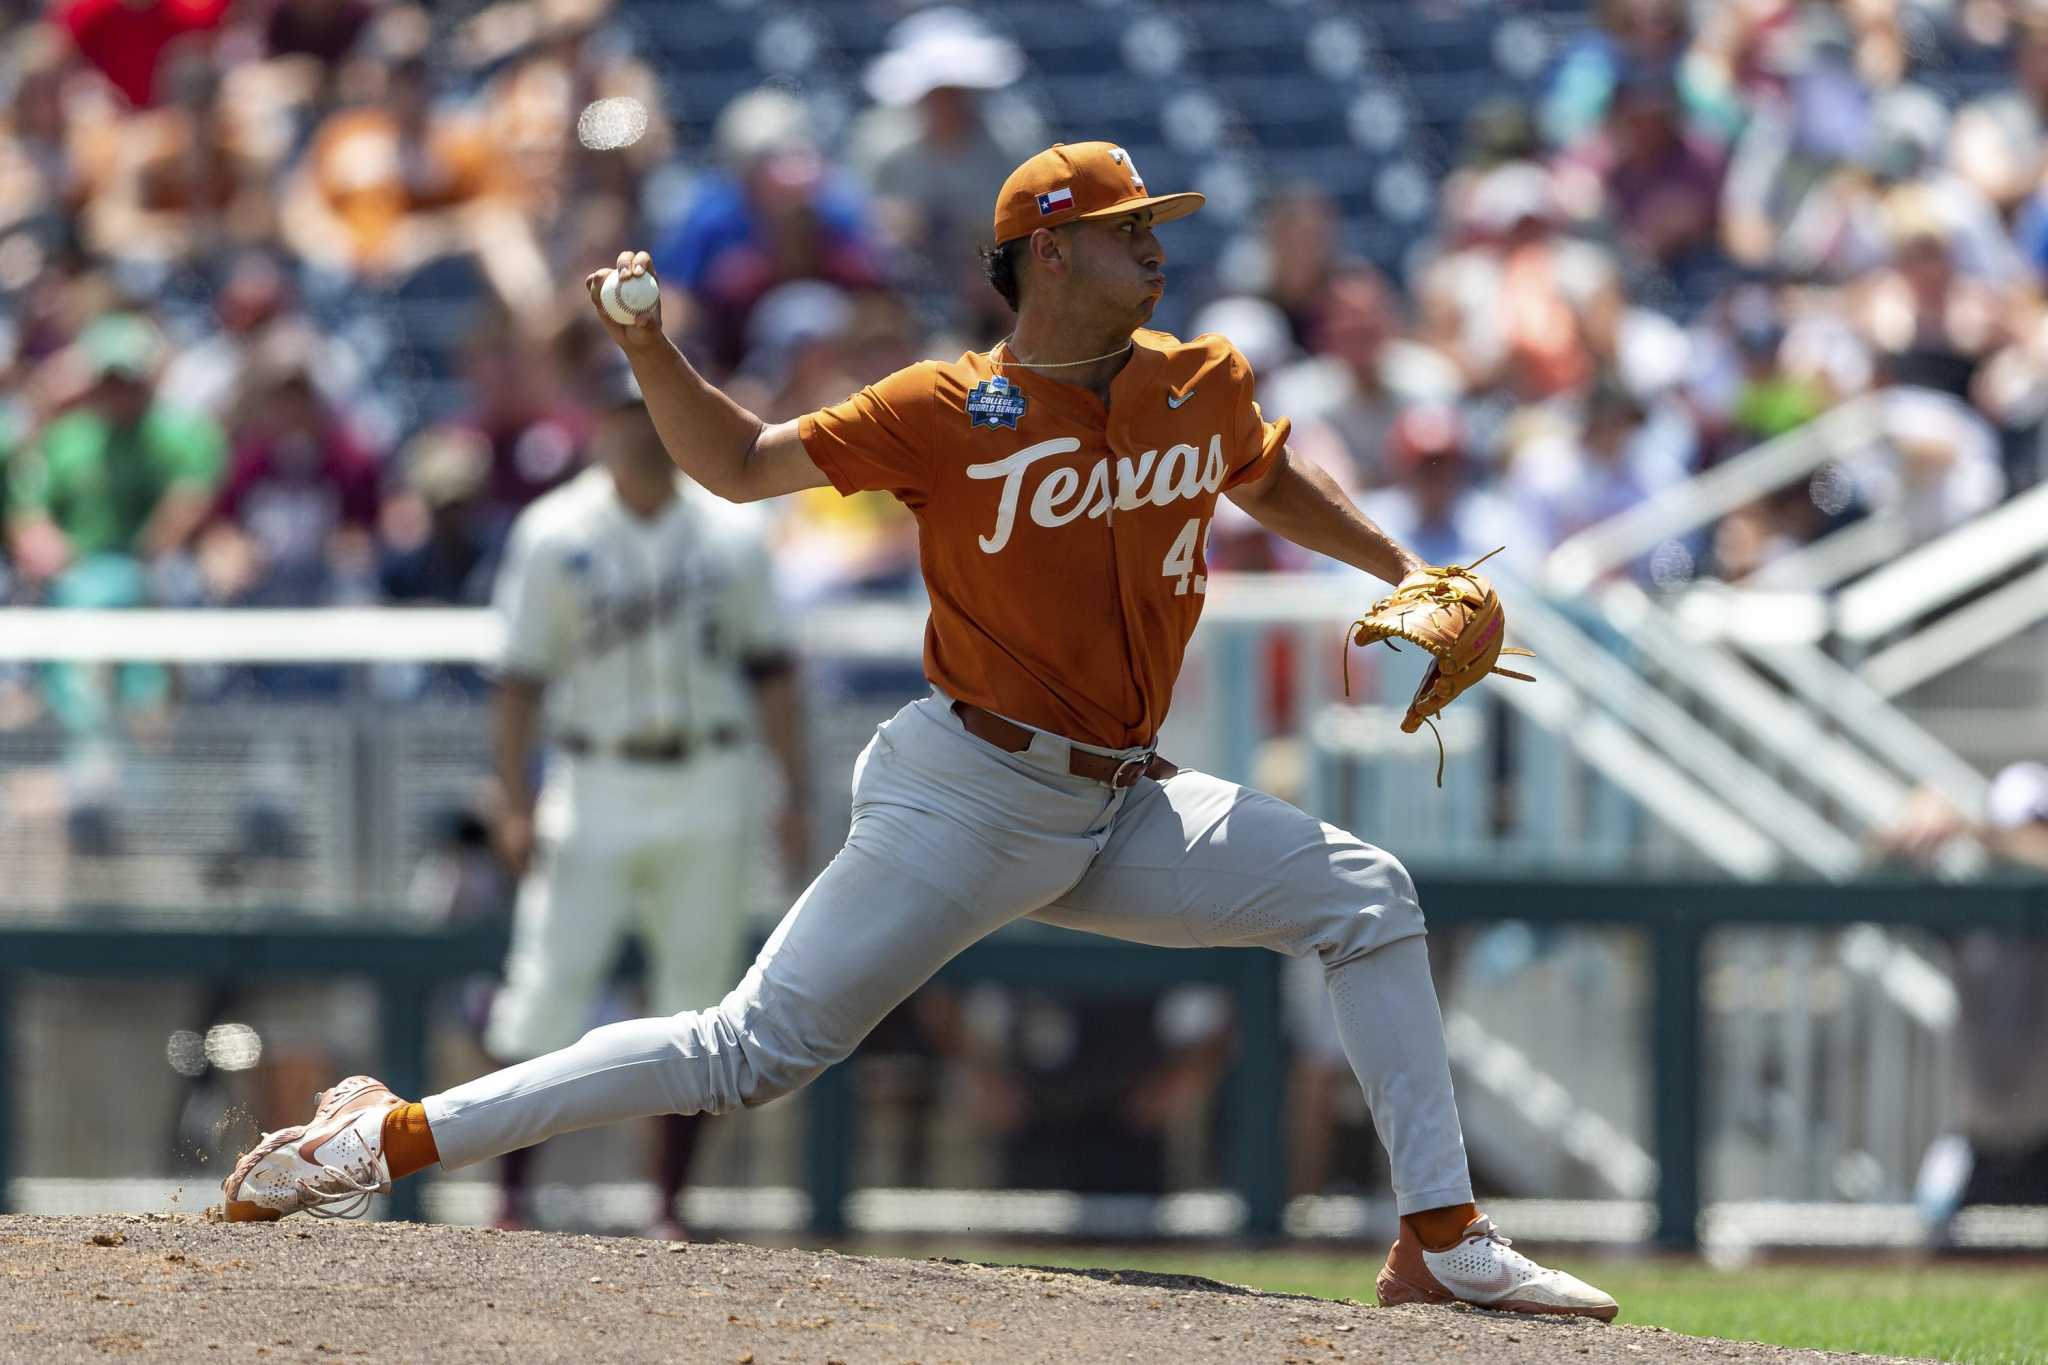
x=176, y=1288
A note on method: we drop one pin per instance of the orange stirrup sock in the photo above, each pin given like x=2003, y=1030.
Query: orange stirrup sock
x=1441, y=1229
x=408, y=1142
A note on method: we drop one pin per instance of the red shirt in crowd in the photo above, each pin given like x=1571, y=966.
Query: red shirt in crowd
x=126, y=38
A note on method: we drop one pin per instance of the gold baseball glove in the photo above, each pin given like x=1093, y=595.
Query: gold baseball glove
x=1453, y=613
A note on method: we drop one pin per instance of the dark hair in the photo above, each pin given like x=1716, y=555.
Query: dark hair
x=999, y=268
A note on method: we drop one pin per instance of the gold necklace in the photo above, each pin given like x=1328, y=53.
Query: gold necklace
x=1004, y=345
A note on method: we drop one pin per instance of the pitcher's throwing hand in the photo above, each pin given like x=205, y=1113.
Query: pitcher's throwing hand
x=645, y=326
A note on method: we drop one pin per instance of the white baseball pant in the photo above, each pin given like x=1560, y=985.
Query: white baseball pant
x=663, y=851
x=953, y=838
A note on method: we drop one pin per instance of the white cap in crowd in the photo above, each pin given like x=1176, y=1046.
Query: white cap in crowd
x=941, y=48
x=2018, y=797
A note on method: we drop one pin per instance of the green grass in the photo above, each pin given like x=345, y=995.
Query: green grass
x=1976, y=1315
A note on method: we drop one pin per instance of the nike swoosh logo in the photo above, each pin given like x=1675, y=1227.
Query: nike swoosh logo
x=1173, y=401
x=1494, y=1286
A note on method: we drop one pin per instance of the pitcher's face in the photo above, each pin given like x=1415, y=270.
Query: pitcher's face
x=1115, y=266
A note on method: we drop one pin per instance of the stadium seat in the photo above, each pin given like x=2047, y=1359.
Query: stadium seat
x=1286, y=111
x=1062, y=39
x=1240, y=39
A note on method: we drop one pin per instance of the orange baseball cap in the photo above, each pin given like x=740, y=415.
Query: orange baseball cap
x=1070, y=181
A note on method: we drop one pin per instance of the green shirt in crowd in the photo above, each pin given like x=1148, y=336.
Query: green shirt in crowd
x=100, y=483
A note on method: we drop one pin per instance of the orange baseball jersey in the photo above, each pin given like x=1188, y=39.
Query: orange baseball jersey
x=1062, y=541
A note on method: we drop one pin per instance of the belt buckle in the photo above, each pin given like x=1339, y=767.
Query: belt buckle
x=1135, y=767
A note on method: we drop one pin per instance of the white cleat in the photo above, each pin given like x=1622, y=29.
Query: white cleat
x=328, y=1168
x=1485, y=1270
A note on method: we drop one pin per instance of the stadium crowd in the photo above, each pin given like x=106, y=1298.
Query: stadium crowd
x=290, y=313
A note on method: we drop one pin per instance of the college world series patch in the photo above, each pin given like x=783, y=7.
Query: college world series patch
x=994, y=402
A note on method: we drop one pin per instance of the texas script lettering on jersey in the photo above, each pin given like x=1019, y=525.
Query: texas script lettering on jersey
x=1182, y=473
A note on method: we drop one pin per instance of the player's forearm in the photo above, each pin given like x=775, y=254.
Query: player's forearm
x=782, y=724
x=1302, y=503
x=708, y=435
x=515, y=729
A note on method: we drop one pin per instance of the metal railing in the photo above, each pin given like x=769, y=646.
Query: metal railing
x=1822, y=740
x=1683, y=508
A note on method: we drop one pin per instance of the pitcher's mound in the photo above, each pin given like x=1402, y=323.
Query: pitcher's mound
x=180, y=1289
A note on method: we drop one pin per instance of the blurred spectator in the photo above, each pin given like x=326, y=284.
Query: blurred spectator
x=1497, y=131
x=1999, y=143
x=398, y=180
x=1256, y=327
x=1602, y=466
x=1819, y=120
x=121, y=476
x=1757, y=535
x=1292, y=261
x=194, y=174
x=377, y=177
x=1658, y=185
x=810, y=344
x=1362, y=371
x=1510, y=298
x=2000, y=1155
x=1633, y=35
x=1767, y=400
x=325, y=30
x=128, y=39
x=1946, y=467
x=798, y=354
x=1937, y=466
x=776, y=212
x=536, y=438
x=301, y=492
x=1261, y=333
x=1929, y=325
x=57, y=140
x=929, y=151
x=1839, y=227
x=440, y=543
x=254, y=298
x=1436, y=506
x=576, y=118
x=1754, y=47
x=97, y=507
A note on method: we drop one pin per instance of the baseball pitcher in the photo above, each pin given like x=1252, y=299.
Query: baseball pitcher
x=1063, y=482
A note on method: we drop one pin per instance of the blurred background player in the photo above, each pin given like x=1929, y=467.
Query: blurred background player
x=2000, y=1153
x=643, y=637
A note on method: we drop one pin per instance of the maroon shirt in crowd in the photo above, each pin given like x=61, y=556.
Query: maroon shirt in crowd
x=292, y=492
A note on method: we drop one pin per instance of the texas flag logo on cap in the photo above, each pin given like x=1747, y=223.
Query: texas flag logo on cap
x=1052, y=201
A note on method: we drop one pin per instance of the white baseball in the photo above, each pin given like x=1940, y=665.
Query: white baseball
x=625, y=297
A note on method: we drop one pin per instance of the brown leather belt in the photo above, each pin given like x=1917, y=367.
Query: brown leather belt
x=671, y=748
x=1012, y=738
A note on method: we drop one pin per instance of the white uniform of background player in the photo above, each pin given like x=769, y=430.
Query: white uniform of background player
x=642, y=632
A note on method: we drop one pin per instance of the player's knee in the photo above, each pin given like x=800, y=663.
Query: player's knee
x=1377, y=903
x=777, y=1079
x=772, y=1061
x=1402, y=907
